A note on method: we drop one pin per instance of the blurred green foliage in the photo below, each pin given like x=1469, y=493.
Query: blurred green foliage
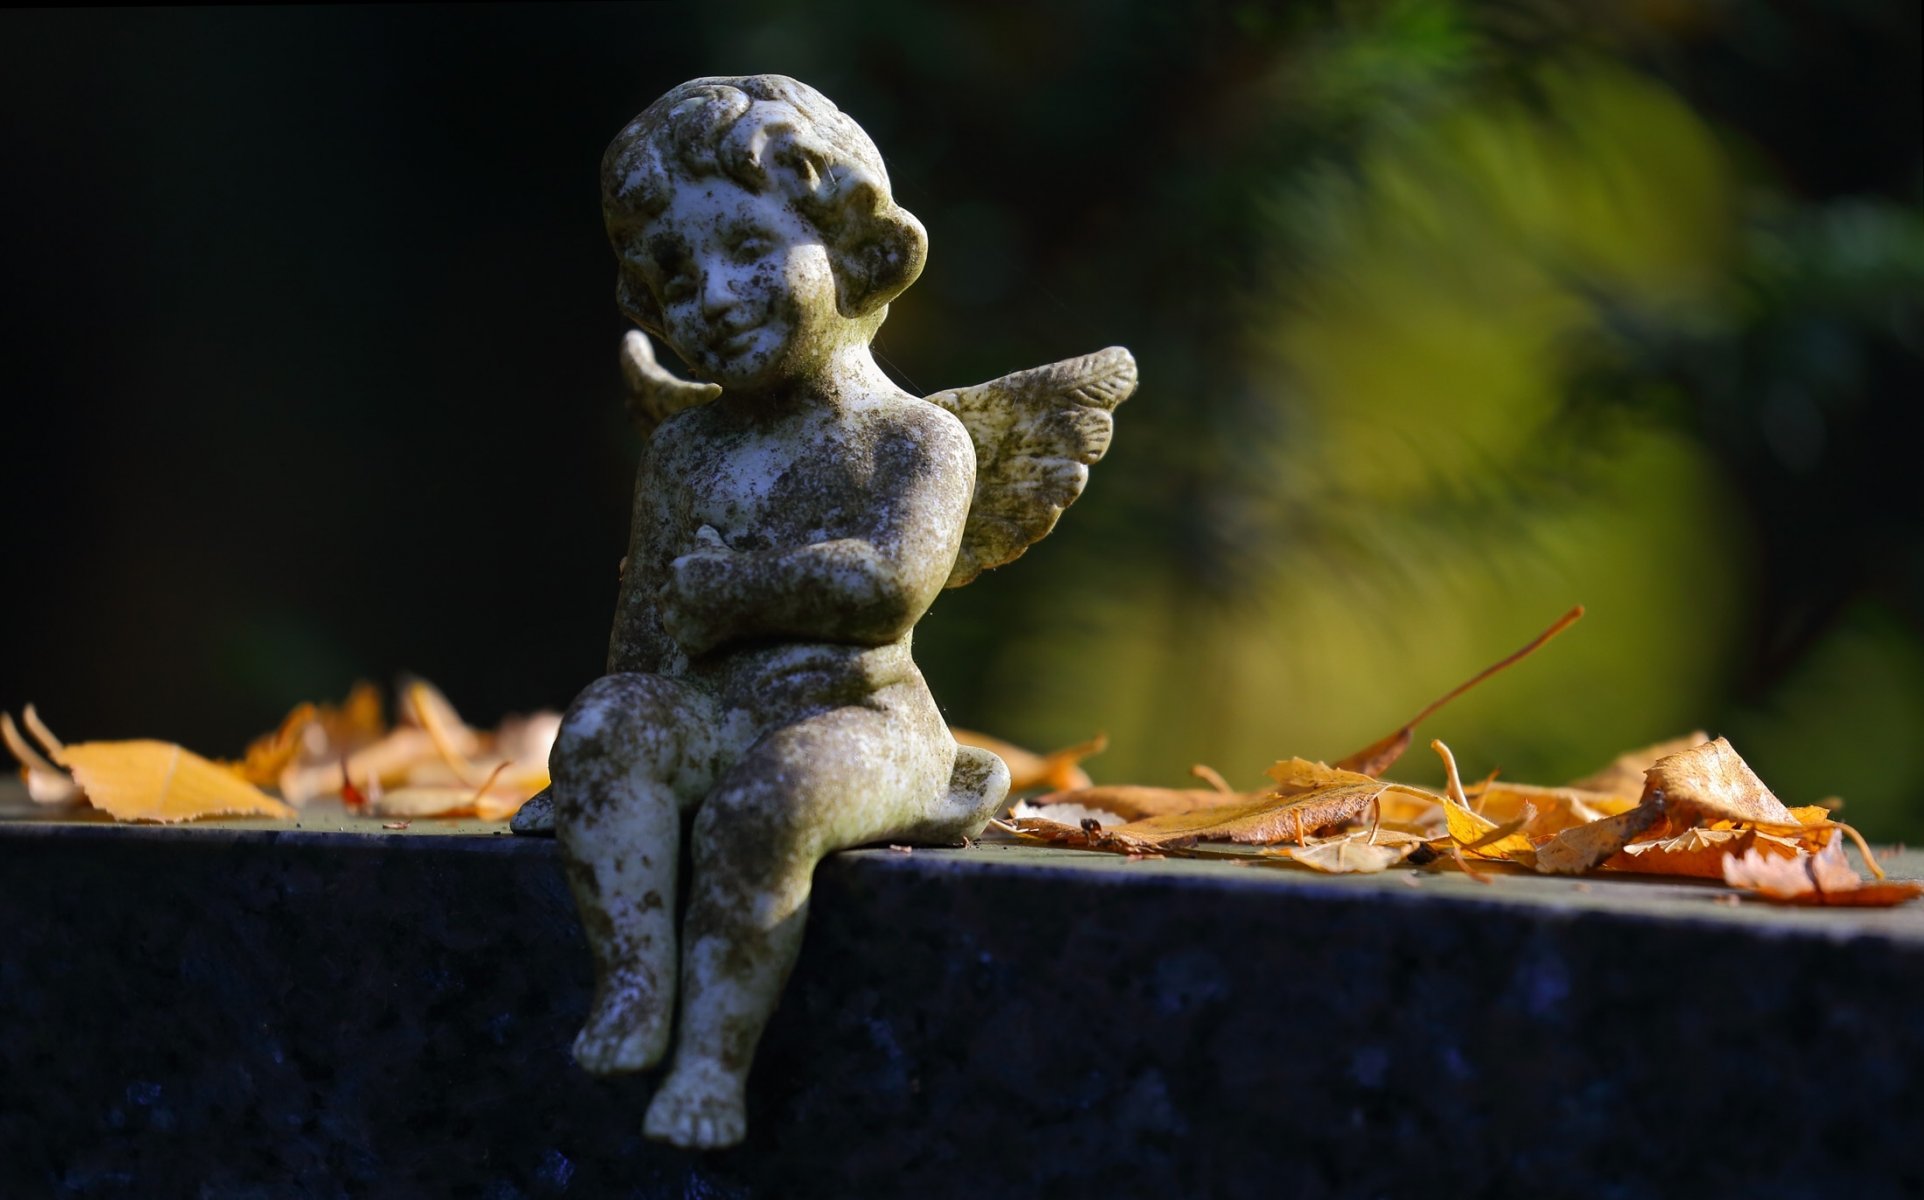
x=1450, y=315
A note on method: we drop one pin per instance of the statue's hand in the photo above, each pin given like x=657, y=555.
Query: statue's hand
x=688, y=599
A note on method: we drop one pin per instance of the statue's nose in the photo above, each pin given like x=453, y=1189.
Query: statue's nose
x=717, y=293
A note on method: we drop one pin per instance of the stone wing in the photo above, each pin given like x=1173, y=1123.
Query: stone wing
x=653, y=394
x=1035, y=432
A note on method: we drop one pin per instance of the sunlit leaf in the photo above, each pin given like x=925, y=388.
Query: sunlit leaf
x=1825, y=878
x=159, y=781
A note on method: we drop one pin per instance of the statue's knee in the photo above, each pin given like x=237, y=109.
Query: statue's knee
x=617, y=723
x=753, y=829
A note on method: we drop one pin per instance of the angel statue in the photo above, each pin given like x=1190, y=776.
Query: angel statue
x=795, y=514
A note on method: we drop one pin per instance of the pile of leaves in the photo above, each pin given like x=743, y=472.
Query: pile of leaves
x=1688, y=807
x=428, y=763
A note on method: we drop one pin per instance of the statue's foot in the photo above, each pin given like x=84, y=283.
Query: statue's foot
x=625, y=1031
x=536, y=817
x=699, y=1107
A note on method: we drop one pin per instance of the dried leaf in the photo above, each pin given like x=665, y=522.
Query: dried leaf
x=452, y=737
x=1546, y=810
x=1377, y=757
x=1069, y=813
x=1825, y=878
x=1698, y=853
x=268, y=755
x=1711, y=783
x=1624, y=775
x=1476, y=834
x=1267, y=820
x=1579, y=849
x=1057, y=770
x=425, y=802
x=1087, y=836
x=1356, y=854
x=384, y=764
x=159, y=781
x=1130, y=802
x=46, y=783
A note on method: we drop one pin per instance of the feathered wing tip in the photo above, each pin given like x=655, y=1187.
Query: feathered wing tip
x=1036, y=434
x=654, y=395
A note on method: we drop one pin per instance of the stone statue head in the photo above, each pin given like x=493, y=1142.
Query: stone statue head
x=754, y=226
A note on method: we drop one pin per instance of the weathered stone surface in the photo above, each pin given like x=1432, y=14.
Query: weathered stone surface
x=224, y=1011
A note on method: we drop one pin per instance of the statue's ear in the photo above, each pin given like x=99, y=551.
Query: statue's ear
x=878, y=249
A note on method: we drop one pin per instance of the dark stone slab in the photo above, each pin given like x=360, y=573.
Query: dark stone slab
x=241, y=1010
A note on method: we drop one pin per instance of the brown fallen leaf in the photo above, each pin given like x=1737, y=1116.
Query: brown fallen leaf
x=159, y=781
x=1584, y=847
x=1624, y=775
x=1058, y=770
x=1378, y=756
x=1292, y=815
x=1825, y=878
x=1132, y=802
x=1356, y=853
x=1711, y=783
x=1086, y=836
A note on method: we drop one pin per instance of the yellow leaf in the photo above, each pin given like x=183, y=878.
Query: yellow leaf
x=1474, y=834
x=159, y=781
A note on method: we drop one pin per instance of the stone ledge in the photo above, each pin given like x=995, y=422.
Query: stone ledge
x=341, y=1010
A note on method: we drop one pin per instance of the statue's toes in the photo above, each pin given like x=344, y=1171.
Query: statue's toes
x=697, y=1111
x=618, y=1054
x=536, y=817
x=622, y=1034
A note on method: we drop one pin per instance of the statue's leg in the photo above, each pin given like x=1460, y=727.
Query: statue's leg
x=632, y=751
x=837, y=779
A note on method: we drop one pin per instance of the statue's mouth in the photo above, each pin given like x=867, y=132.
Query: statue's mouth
x=730, y=343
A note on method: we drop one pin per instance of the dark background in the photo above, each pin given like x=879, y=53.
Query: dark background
x=1449, y=315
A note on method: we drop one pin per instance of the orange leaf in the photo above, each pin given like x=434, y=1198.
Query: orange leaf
x=1699, y=853
x=1824, y=878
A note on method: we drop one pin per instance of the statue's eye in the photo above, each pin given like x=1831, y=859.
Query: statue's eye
x=749, y=245
x=677, y=286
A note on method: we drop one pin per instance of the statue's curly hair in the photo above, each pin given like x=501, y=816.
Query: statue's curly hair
x=770, y=134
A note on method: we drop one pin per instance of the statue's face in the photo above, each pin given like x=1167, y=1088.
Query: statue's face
x=743, y=284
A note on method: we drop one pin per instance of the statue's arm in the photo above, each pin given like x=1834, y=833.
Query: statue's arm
x=868, y=587
x=636, y=642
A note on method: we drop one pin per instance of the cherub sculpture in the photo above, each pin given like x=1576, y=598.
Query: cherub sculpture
x=795, y=514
